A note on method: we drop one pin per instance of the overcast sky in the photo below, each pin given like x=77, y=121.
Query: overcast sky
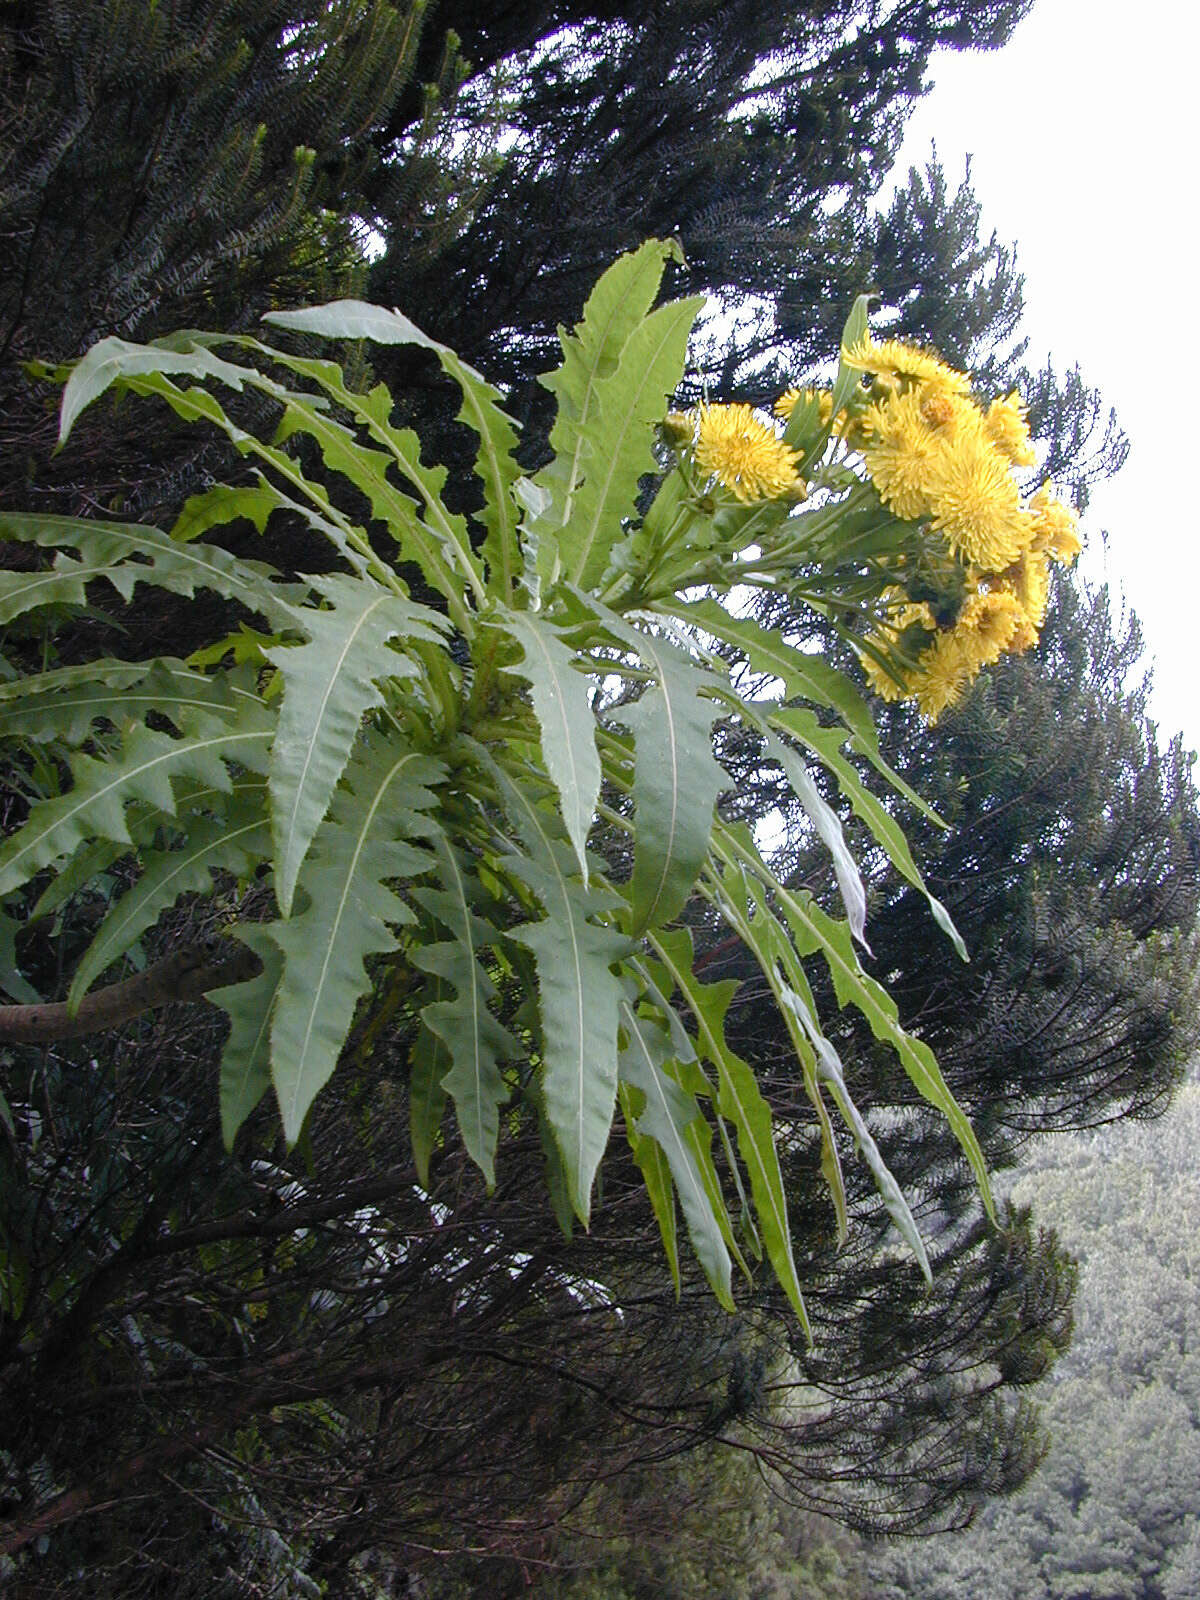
x=1082, y=133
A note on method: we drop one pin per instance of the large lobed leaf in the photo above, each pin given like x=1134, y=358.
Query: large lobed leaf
x=562, y=703
x=482, y=411
x=475, y=1040
x=362, y=848
x=328, y=684
x=126, y=554
x=578, y=993
x=145, y=768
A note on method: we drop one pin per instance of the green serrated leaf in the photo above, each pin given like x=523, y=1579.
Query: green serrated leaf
x=577, y=993
x=562, y=703
x=617, y=304
x=235, y=841
x=435, y=538
x=801, y=673
x=328, y=684
x=740, y=1100
x=826, y=744
x=11, y=980
x=494, y=466
x=855, y=331
x=813, y=932
x=476, y=1041
x=127, y=553
x=676, y=779
x=651, y=1162
x=829, y=1068
x=222, y=504
x=429, y=1063
x=350, y=914
x=113, y=359
x=618, y=435
x=64, y=705
x=669, y=1116
x=829, y=829
x=145, y=769
x=246, y=1059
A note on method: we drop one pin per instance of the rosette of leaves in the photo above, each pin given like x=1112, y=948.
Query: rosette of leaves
x=421, y=777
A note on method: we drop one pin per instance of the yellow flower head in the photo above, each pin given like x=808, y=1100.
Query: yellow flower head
x=899, y=452
x=905, y=438
x=1008, y=429
x=788, y=402
x=976, y=504
x=745, y=455
x=987, y=626
x=894, y=360
x=945, y=671
x=1028, y=581
x=881, y=681
x=1055, y=528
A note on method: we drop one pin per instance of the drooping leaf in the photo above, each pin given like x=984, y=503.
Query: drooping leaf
x=364, y=844
x=803, y=674
x=495, y=465
x=12, y=982
x=829, y=1069
x=562, y=704
x=745, y=902
x=676, y=777
x=145, y=769
x=425, y=530
x=63, y=704
x=668, y=1117
x=113, y=359
x=814, y=932
x=740, y=1100
x=429, y=1063
x=477, y=1042
x=578, y=995
x=235, y=841
x=800, y=672
x=651, y=1162
x=246, y=1059
x=128, y=553
x=826, y=743
x=829, y=829
x=328, y=685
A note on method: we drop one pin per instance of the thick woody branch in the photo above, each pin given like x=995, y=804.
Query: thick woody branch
x=186, y=974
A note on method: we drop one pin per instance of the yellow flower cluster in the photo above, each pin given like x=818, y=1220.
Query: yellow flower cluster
x=937, y=457
x=745, y=455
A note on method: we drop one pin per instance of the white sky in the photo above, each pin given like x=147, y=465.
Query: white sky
x=1082, y=133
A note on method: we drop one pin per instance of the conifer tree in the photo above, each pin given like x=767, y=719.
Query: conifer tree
x=194, y=162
